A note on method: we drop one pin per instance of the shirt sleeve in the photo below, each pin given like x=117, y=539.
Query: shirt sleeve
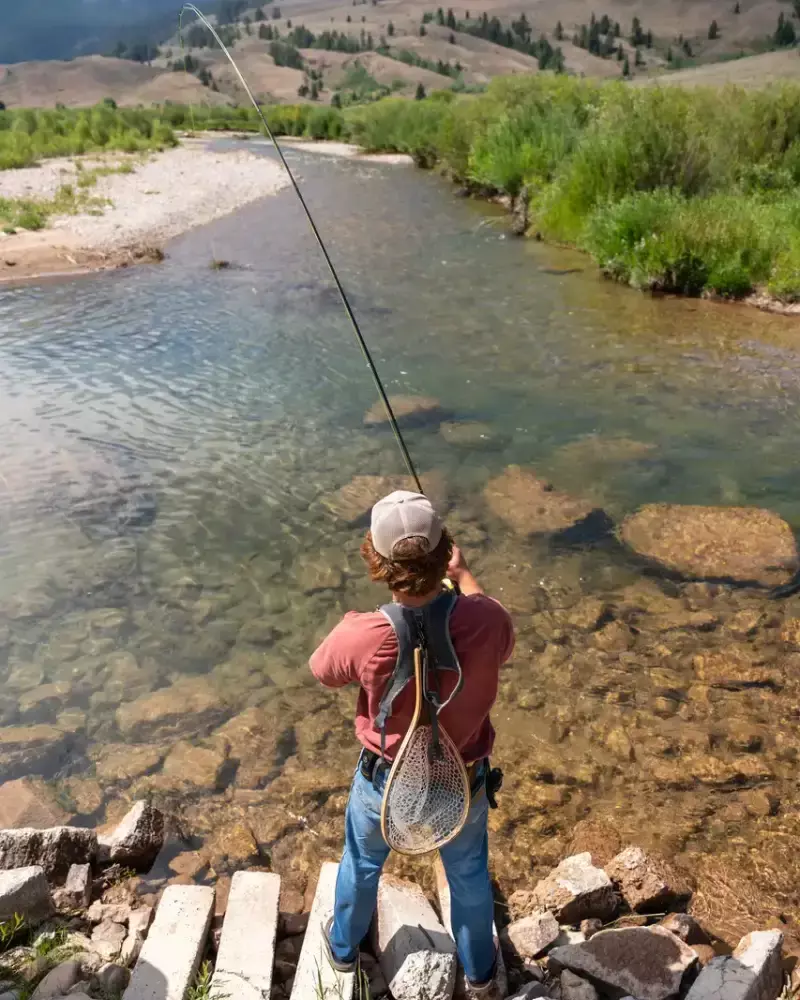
x=332, y=663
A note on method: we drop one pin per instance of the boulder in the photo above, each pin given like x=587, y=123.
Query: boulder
x=753, y=972
x=36, y=749
x=572, y=892
x=412, y=946
x=54, y=849
x=647, y=883
x=408, y=410
x=120, y=762
x=601, y=839
x=138, y=838
x=76, y=892
x=530, y=936
x=531, y=506
x=575, y=988
x=196, y=765
x=189, y=704
x=590, y=927
x=58, y=981
x=739, y=544
x=646, y=962
x=25, y=891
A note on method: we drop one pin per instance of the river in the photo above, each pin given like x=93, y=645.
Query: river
x=170, y=436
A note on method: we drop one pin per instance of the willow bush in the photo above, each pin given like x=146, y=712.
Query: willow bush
x=686, y=190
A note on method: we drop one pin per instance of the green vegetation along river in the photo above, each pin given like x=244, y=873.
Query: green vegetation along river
x=171, y=436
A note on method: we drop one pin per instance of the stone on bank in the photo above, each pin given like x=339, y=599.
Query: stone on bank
x=411, y=944
x=138, y=838
x=55, y=850
x=648, y=963
x=753, y=972
x=25, y=891
x=572, y=892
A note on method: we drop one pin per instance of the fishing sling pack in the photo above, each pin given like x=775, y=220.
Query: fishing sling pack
x=427, y=795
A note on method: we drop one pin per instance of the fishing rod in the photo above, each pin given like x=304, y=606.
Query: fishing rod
x=317, y=236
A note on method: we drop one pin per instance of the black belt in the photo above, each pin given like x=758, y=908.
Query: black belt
x=372, y=764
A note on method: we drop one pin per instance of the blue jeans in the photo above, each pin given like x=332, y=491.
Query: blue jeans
x=465, y=859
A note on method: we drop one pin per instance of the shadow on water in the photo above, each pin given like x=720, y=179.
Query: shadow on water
x=168, y=559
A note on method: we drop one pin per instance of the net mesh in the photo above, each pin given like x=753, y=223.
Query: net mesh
x=428, y=797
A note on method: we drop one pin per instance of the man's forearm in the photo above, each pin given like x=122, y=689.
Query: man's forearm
x=467, y=583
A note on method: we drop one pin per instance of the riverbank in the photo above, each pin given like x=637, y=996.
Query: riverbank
x=121, y=208
x=77, y=908
x=669, y=191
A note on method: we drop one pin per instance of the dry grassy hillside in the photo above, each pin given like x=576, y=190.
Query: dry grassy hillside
x=89, y=79
x=678, y=27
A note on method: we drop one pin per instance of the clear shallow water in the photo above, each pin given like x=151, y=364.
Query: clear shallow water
x=169, y=436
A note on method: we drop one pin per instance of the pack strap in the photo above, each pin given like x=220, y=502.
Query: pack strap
x=432, y=622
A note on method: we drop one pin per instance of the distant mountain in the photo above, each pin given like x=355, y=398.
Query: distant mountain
x=63, y=29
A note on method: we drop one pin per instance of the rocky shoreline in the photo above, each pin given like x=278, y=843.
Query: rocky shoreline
x=76, y=907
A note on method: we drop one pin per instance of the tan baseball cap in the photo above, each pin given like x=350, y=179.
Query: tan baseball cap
x=404, y=515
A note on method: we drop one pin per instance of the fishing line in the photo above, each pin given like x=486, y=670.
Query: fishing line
x=340, y=288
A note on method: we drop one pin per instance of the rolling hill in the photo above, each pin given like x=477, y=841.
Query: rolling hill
x=679, y=50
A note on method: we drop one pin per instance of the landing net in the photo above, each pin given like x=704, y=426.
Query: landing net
x=427, y=796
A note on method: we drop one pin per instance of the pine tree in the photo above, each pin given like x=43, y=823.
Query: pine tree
x=605, y=25
x=336, y=101
x=559, y=32
x=648, y=39
x=617, y=29
x=626, y=68
x=420, y=94
x=259, y=14
x=620, y=54
x=713, y=31
x=422, y=31
x=314, y=94
x=687, y=48
x=452, y=38
x=451, y=19
x=737, y=8
x=669, y=54
x=440, y=16
x=390, y=29
x=639, y=61
x=349, y=19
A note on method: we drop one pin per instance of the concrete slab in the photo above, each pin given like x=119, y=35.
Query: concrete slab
x=443, y=892
x=247, y=947
x=173, y=949
x=315, y=976
x=417, y=955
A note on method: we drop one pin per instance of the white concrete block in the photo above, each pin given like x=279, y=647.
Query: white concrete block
x=417, y=955
x=314, y=971
x=246, y=952
x=173, y=949
x=443, y=892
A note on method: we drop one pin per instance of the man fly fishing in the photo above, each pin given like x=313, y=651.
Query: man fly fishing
x=409, y=549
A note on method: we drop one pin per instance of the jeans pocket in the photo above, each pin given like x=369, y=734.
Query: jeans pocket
x=364, y=791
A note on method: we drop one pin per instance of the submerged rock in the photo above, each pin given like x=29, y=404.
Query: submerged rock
x=647, y=883
x=470, y=434
x=185, y=706
x=353, y=502
x=409, y=411
x=645, y=962
x=24, y=802
x=739, y=544
x=733, y=668
x=531, y=506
